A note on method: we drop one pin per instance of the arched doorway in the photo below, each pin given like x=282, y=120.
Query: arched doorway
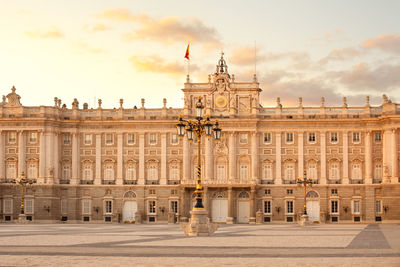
x=243, y=207
x=313, y=206
x=130, y=207
x=219, y=207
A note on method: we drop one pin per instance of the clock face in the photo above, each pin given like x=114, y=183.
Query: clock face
x=221, y=101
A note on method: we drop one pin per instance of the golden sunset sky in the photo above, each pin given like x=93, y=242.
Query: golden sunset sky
x=135, y=49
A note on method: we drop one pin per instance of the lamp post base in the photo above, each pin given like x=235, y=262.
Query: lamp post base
x=22, y=219
x=199, y=224
x=304, y=220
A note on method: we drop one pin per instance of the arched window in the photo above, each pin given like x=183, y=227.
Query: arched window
x=356, y=171
x=312, y=171
x=109, y=171
x=244, y=195
x=32, y=170
x=11, y=172
x=130, y=172
x=66, y=172
x=152, y=170
x=289, y=171
x=87, y=172
x=267, y=171
x=378, y=171
x=334, y=170
x=244, y=172
x=174, y=171
x=130, y=194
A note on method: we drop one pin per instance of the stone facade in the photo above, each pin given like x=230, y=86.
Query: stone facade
x=128, y=164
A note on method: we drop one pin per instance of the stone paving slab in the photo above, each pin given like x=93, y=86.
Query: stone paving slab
x=233, y=245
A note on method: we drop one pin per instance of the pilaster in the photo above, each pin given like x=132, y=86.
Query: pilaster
x=2, y=156
x=232, y=157
x=368, y=158
x=386, y=162
x=42, y=158
x=229, y=219
x=252, y=205
x=75, y=159
x=163, y=177
x=300, y=147
x=49, y=158
x=323, y=158
x=141, y=179
x=209, y=168
x=394, y=156
x=120, y=159
x=97, y=177
x=254, y=158
x=278, y=160
x=345, y=179
x=56, y=157
x=21, y=153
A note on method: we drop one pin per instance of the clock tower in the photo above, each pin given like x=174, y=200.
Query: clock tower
x=223, y=96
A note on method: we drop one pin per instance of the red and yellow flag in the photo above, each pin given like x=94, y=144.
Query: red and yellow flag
x=187, y=52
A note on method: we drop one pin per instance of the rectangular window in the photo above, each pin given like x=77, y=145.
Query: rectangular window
x=32, y=170
x=334, y=138
x=267, y=207
x=152, y=139
x=86, y=206
x=267, y=191
x=267, y=138
x=131, y=139
x=109, y=172
x=268, y=172
x=8, y=206
x=289, y=172
x=174, y=172
x=244, y=172
x=66, y=173
x=109, y=139
x=311, y=137
x=174, y=139
x=289, y=191
x=108, y=206
x=289, y=138
x=64, y=206
x=334, y=206
x=378, y=206
x=174, y=206
x=378, y=137
x=243, y=138
x=334, y=172
x=174, y=192
x=152, y=207
x=221, y=172
x=12, y=137
x=28, y=206
x=87, y=172
x=152, y=172
x=11, y=171
x=356, y=172
x=88, y=139
x=356, y=137
x=33, y=137
x=356, y=206
x=334, y=191
x=67, y=139
x=130, y=172
x=312, y=172
x=152, y=191
x=289, y=207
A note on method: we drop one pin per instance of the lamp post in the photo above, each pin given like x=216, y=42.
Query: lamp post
x=197, y=128
x=23, y=182
x=305, y=182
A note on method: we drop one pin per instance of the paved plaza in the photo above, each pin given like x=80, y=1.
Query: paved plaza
x=232, y=245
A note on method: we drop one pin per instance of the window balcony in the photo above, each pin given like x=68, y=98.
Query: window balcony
x=130, y=181
x=149, y=182
x=109, y=182
x=86, y=182
x=356, y=181
x=289, y=181
x=65, y=181
x=267, y=182
x=334, y=181
x=377, y=181
x=174, y=182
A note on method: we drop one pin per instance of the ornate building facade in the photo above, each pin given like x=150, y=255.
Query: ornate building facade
x=128, y=164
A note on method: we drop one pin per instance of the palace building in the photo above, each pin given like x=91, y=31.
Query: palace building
x=99, y=165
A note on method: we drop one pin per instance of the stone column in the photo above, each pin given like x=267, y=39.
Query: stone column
x=386, y=162
x=186, y=160
x=120, y=159
x=345, y=179
x=278, y=160
x=252, y=205
x=56, y=156
x=229, y=219
x=323, y=158
x=163, y=177
x=394, y=156
x=141, y=179
x=368, y=158
x=75, y=159
x=300, y=147
x=97, y=177
x=42, y=158
x=232, y=157
x=206, y=200
x=209, y=168
x=21, y=154
x=254, y=158
x=2, y=156
x=49, y=158
x=182, y=211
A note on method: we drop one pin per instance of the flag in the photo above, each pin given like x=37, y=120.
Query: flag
x=187, y=52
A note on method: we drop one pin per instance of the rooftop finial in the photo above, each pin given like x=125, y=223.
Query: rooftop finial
x=222, y=67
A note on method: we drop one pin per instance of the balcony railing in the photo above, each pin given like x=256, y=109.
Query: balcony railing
x=86, y=182
x=152, y=182
x=172, y=182
x=109, y=182
x=130, y=181
x=65, y=181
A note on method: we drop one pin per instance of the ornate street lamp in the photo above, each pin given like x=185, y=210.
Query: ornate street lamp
x=198, y=127
x=305, y=182
x=23, y=182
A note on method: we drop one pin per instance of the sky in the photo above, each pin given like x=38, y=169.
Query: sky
x=101, y=49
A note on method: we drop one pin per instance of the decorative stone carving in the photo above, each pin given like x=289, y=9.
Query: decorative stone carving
x=13, y=99
x=220, y=147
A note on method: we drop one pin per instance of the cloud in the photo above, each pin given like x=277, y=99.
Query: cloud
x=342, y=54
x=95, y=27
x=389, y=43
x=245, y=55
x=167, y=30
x=362, y=77
x=84, y=47
x=329, y=37
x=156, y=64
x=53, y=32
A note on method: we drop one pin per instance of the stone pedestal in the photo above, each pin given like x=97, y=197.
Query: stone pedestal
x=171, y=217
x=138, y=218
x=229, y=220
x=252, y=220
x=304, y=220
x=259, y=217
x=22, y=219
x=199, y=224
